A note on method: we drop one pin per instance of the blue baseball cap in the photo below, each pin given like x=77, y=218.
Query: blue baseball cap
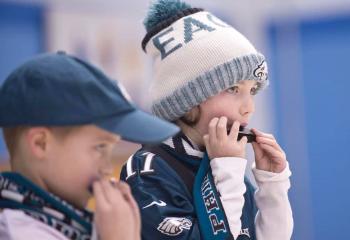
x=62, y=90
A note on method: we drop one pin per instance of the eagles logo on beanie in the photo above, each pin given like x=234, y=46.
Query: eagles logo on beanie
x=195, y=56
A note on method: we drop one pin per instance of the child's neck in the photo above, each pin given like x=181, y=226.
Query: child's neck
x=21, y=167
x=193, y=134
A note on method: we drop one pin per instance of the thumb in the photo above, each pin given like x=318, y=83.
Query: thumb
x=258, y=151
x=260, y=160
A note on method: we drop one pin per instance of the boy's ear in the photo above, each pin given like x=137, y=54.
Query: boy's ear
x=38, y=140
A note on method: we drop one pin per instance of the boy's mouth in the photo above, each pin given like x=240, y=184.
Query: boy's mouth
x=90, y=189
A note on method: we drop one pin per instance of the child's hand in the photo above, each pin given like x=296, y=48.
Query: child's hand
x=220, y=144
x=117, y=215
x=269, y=156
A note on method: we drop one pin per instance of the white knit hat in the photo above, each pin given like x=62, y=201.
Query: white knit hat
x=195, y=56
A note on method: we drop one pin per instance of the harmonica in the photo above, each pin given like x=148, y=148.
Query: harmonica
x=247, y=133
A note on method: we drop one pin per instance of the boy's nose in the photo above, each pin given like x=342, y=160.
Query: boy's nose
x=247, y=107
x=106, y=172
x=107, y=168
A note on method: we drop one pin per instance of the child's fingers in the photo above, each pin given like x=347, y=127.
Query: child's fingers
x=257, y=150
x=101, y=201
x=271, y=151
x=207, y=145
x=206, y=140
x=136, y=211
x=221, y=129
x=269, y=141
x=262, y=134
x=113, y=196
x=125, y=190
x=234, y=131
x=243, y=141
x=212, y=129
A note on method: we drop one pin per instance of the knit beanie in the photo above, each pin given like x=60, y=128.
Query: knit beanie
x=195, y=56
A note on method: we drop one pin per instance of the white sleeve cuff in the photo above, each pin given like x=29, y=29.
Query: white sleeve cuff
x=265, y=176
x=274, y=219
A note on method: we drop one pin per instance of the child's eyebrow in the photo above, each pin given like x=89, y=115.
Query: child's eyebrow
x=108, y=138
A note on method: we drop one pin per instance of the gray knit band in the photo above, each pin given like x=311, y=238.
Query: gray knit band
x=224, y=76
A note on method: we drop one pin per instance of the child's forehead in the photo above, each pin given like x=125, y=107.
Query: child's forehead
x=92, y=132
x=247, y=82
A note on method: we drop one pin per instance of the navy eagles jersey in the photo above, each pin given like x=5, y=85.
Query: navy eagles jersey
x=165, y=202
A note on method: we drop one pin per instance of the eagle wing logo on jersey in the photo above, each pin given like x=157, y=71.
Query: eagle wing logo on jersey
x=173, y=226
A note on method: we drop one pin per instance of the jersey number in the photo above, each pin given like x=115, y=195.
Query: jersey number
x=146, y=167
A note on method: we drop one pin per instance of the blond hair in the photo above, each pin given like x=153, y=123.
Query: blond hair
x=12, y=135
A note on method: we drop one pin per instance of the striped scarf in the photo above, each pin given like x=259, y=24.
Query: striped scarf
x=17, y=192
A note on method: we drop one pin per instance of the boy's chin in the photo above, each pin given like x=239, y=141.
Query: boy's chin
x=80, y=202
x=83, y=200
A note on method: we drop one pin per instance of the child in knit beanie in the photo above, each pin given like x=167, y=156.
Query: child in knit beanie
x=193, y=186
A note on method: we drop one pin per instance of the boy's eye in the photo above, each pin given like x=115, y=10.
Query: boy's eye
x=233, y=90
x=254, y=90
x=101, y=147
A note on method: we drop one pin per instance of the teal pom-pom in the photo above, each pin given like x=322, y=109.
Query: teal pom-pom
x=161, y=10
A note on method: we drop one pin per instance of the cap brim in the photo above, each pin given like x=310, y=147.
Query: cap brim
x=139, y=127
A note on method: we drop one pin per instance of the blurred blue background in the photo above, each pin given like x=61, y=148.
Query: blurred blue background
x=308, y=47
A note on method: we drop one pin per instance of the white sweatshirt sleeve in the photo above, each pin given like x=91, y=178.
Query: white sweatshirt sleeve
x=228, y=173
x=16, y=225
x=274, y=219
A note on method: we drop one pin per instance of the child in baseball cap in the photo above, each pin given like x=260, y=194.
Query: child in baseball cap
x=62, y=118
x=206, y=74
